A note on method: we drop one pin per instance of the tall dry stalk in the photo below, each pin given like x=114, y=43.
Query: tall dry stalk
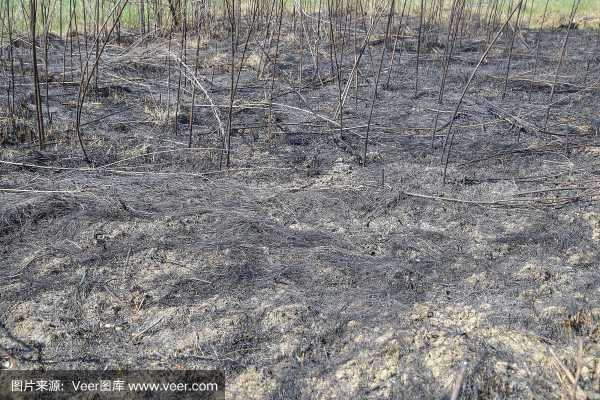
x=510, y=52
x=233, y=41
x=97, y=33
x=398, y=34
x=376, y=83
x=563, y=51
x=46, y=21
x=87, y=74
x=183, y=46
x=36, y=76
x=274, y=65
x=196, y=66
x=419, y=47
x=11, y=86
x=538, y=49
x=334, y=63
x=142, y=12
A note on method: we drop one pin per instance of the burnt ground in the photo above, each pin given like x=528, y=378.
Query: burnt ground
x=300, y=272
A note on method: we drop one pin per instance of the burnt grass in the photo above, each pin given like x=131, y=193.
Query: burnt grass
x=299, y=271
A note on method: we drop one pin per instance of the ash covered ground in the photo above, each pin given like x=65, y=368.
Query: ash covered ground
x=298, y=270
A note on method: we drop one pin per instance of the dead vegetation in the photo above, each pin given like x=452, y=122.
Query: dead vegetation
x=326, y=200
